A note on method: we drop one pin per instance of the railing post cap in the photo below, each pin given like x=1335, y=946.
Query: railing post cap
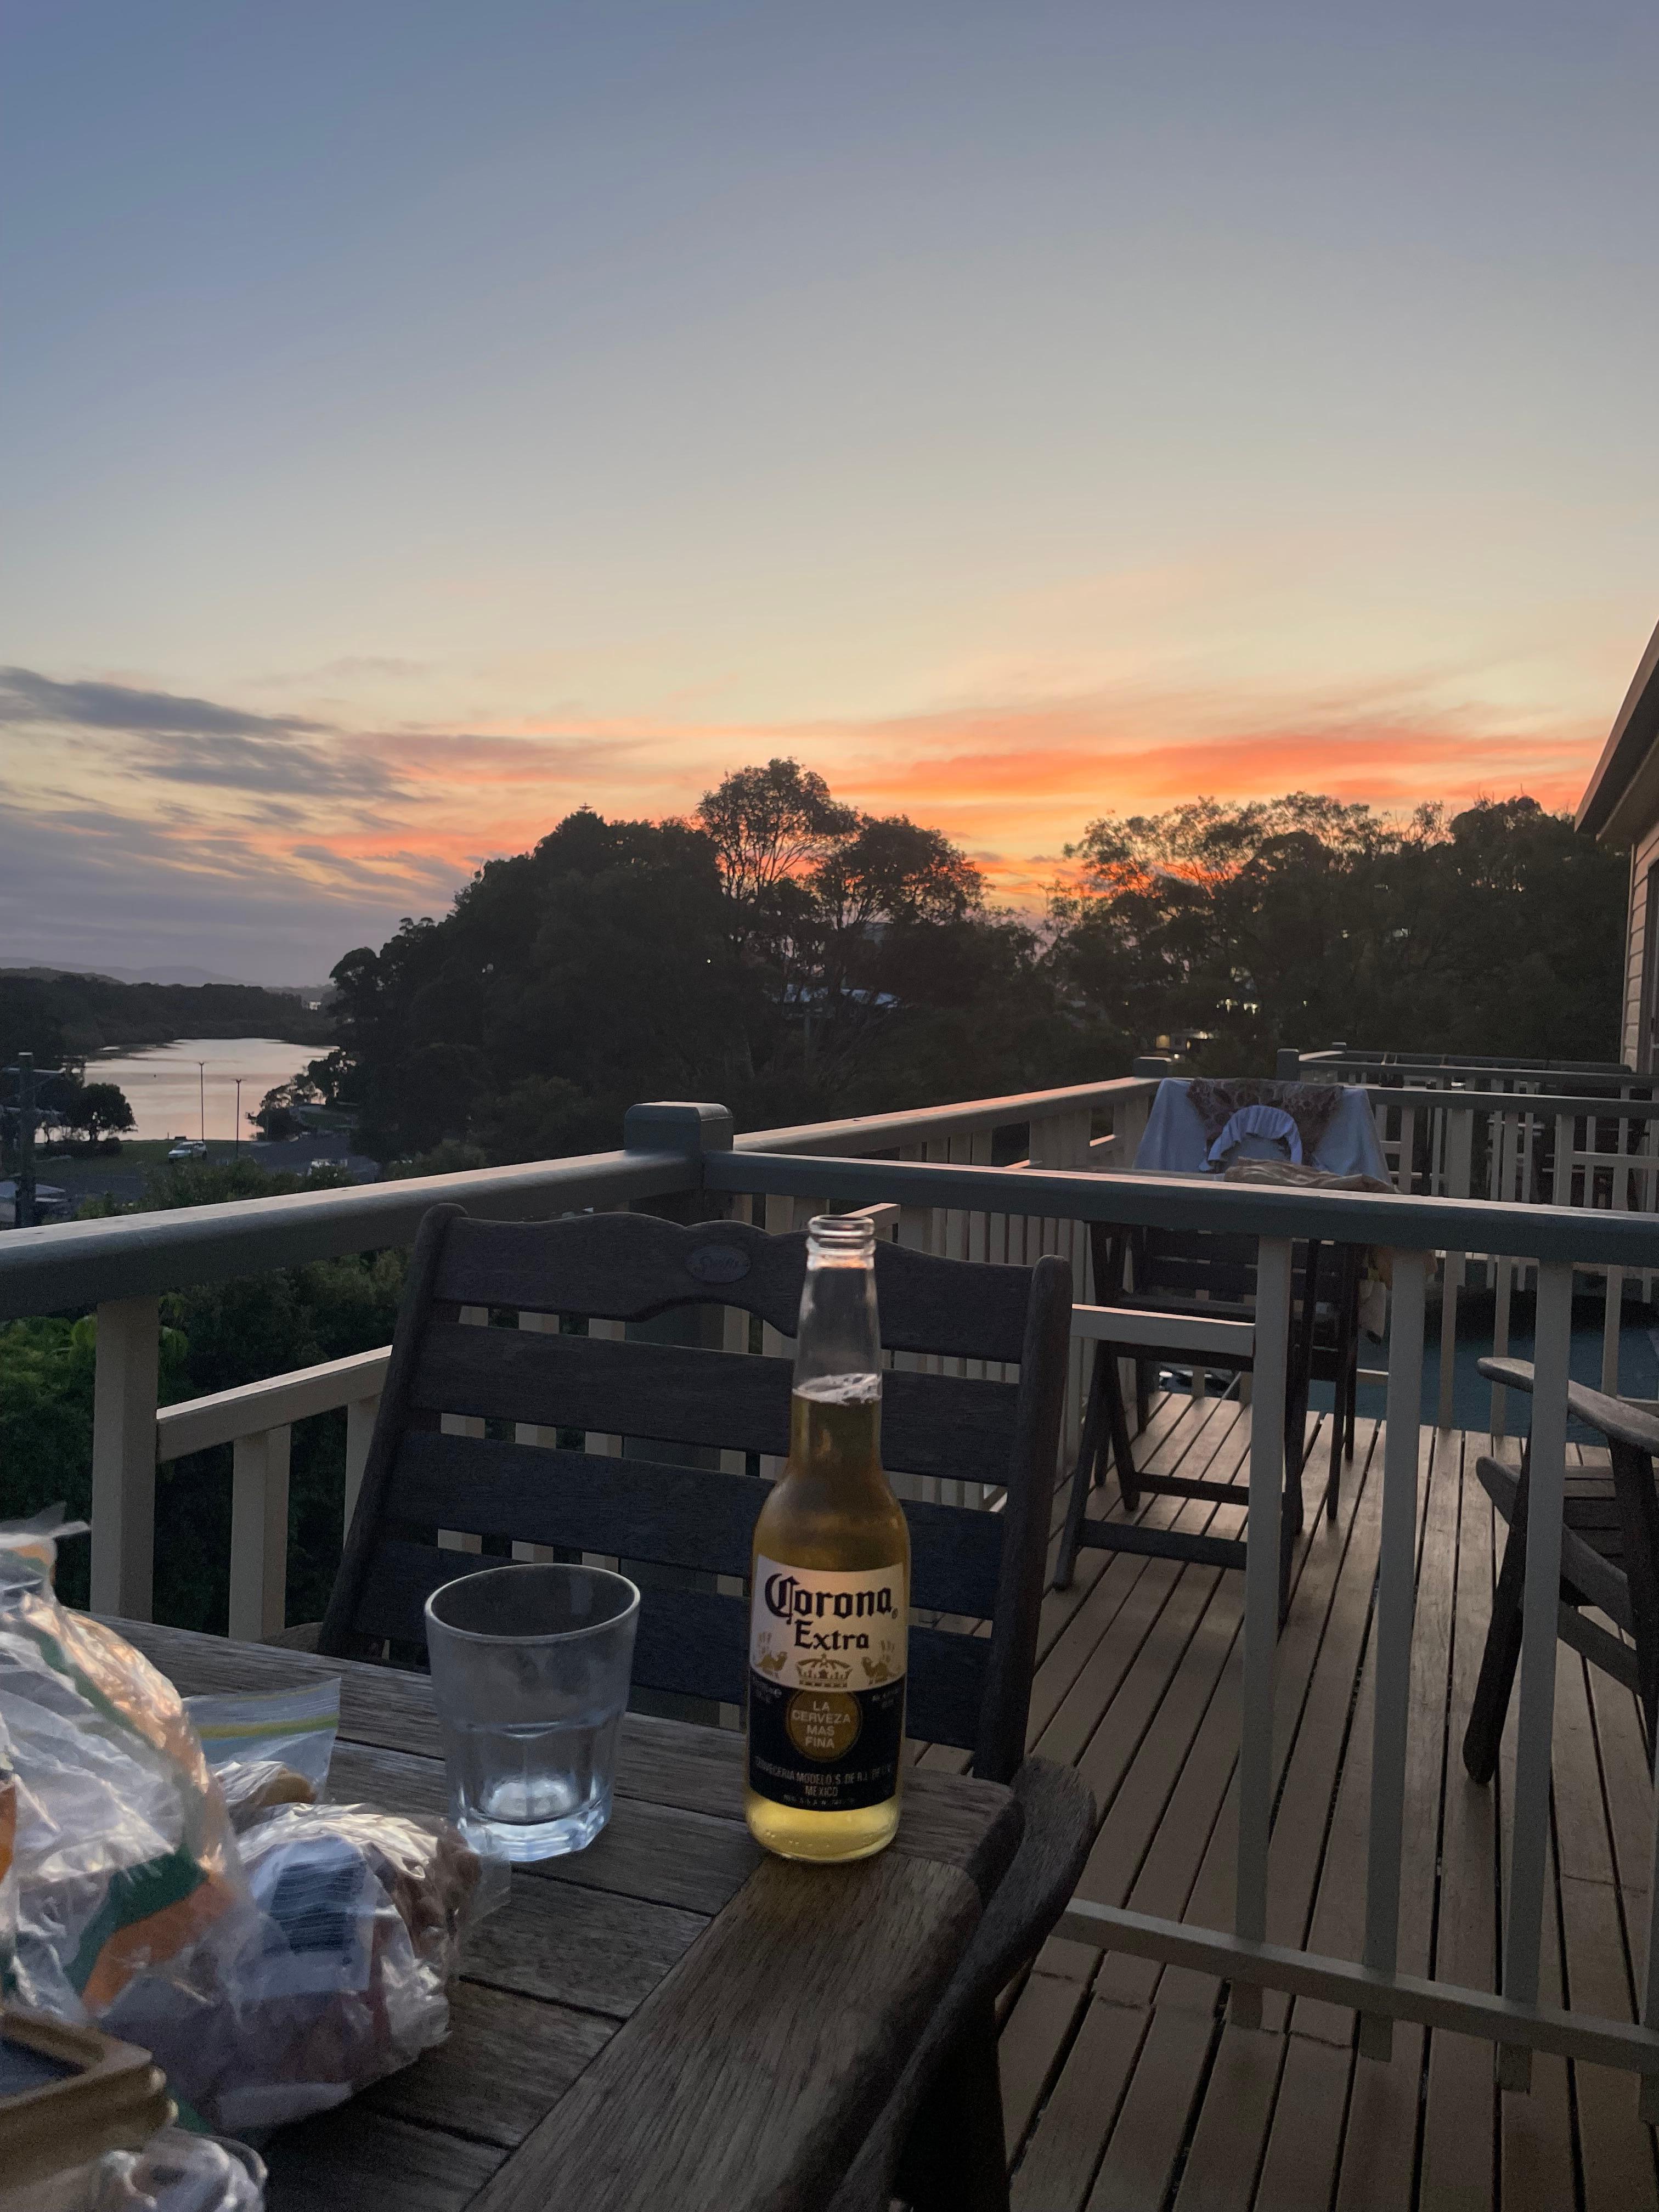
x=673, y=1125
x=1153, y=1063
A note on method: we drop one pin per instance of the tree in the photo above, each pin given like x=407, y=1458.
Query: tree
x=567, y=981
x=275, y=1116
x=1298, y=920
x=783, y=953
x=104, y=1111
x=768, y=826
x=87, y=1110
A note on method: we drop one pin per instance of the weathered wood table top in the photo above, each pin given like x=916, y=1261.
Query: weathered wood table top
x=669, y=2018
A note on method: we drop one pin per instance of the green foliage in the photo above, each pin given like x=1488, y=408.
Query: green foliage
x=240, y=1331
x=46, y=1422
x=215, y=1336
x=450, y=1158
x=199, y=1183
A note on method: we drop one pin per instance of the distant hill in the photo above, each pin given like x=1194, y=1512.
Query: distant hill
x=191, y=978
x=57, y=1015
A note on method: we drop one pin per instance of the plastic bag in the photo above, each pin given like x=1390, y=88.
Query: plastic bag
x=125, y=1857
x=359, y=1920
x=174, y=2173
x=296, y=1728
x=264, y=1994
x=272, y=1748
x=7, y=1858
x=36, y=1540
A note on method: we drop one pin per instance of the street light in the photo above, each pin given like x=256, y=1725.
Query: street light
x=201, y=1085
x=240, y=1080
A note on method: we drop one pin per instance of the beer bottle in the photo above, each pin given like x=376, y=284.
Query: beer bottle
x=830, y=1582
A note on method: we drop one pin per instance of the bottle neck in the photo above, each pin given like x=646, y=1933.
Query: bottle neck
x=838, y=1336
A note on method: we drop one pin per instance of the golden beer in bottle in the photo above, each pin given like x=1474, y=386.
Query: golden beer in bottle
x=830, y=1582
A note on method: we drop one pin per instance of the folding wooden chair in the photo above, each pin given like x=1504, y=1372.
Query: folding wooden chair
x=1609, y=1560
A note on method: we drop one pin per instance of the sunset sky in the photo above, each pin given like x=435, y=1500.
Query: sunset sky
x=417, y=420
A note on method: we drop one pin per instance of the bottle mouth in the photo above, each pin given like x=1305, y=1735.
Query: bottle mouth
x=840, y=1236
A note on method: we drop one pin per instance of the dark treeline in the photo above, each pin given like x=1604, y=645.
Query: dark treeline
x=1298, y=920
x=60, y=1017
x=795, y=958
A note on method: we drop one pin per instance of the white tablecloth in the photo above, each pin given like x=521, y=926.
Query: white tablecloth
x=1175, y=1142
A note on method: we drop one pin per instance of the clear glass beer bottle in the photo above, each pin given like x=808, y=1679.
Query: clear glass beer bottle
x=830, y=1582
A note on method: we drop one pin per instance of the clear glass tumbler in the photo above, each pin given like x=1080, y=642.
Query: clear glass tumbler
x=530, y=1671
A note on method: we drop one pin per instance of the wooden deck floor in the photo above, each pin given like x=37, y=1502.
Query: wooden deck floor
x=1126, y=2089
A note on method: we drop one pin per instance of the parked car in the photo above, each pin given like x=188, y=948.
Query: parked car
x=188, y=1148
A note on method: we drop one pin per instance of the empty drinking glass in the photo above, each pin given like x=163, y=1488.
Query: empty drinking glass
x=530, y=1670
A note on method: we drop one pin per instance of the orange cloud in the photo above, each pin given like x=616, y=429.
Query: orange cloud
x=1014, y=784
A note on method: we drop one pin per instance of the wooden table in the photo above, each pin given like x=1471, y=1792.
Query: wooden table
x=669, y=2018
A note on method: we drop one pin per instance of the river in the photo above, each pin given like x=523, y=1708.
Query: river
x=168, y=1090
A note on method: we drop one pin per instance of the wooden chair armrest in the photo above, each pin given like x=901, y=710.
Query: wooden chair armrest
x=1059, y=1831
x=1586, y=1570
x=1610, y=1417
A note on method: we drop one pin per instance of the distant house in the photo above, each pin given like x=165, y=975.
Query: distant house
x=1620, y=807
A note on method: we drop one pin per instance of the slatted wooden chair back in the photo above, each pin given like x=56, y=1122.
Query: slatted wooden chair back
x=967, y=1690
x=1188, y=1264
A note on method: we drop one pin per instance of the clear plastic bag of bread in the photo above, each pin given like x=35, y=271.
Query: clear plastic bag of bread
x=342, y=1977
x=271, y=1974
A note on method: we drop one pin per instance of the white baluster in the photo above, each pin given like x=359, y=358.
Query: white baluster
x=1396, y=1605
x=1256, y=1749
x=258, y=1536
x=1530, y=1815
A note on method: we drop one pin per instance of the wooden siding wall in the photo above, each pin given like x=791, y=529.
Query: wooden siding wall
x=1641, y=859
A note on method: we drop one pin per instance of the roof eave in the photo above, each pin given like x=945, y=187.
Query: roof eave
x=1632, y=739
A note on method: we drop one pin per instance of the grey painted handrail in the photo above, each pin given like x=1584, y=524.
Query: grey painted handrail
x=1588, y=1236
x=83, y=1263
x=1543, y=1105
x=917, y=1124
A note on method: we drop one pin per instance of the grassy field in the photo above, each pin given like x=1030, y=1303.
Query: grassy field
x=149, y=1153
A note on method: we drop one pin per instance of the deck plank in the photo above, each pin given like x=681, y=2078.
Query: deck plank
x=1380, y=2141
x=1460, y=2109
x=1124, y=2084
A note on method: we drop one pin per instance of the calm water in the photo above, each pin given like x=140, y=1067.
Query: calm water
x=167, y=1091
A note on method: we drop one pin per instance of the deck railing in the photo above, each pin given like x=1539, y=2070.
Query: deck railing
x=1547, y=1133
x=123, y=1266
x=950, y=1195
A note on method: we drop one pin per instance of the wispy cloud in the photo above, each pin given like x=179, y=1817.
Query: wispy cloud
x=26, y=697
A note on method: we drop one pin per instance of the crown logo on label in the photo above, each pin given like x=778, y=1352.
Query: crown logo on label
x=823, y=1674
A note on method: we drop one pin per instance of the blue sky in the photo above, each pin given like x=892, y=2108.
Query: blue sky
x=1020, y=412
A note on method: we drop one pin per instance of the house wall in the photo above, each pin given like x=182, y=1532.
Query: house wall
x=1640, y=958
